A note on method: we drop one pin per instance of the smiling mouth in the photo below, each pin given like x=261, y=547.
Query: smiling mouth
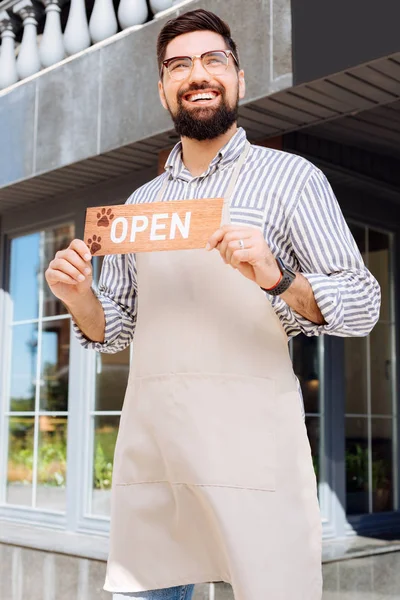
x=200, y=97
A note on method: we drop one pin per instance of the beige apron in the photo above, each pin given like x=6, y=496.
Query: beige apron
x=213, y=478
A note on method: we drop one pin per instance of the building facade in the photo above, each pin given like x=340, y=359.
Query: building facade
x=87, y=130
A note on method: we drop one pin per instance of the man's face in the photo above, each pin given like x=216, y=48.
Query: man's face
x=201, y=119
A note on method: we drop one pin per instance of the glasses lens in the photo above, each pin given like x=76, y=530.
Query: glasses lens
x=215, y=62
x=179, y=68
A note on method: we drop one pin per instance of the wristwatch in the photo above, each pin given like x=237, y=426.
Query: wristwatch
x=287, y=277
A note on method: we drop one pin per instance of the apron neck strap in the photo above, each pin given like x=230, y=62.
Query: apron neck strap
x=232, y=182
x=236, y=172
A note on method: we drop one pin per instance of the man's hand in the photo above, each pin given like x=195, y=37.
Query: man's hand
x=69, y=274
x=255, y=260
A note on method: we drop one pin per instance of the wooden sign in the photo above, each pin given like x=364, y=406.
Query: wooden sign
x=150, y=227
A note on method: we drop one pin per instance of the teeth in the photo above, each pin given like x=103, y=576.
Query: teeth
x=208, y=96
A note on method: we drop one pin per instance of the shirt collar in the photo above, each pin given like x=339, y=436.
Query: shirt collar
x=225, y=157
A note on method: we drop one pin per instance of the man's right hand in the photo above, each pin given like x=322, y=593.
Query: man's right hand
x=69, y=275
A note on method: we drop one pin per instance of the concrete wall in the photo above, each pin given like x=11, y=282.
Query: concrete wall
x=107, y=97
x=329, y=37
x=35, y=575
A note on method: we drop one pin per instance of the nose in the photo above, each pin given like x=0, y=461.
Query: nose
x=198, y=72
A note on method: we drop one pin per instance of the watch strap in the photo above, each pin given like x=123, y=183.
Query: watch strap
x=287, y=279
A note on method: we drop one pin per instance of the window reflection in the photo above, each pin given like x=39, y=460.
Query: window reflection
x=55, y=365
x=112, y=371
x=379, y=265
x=52, y=463
x=20, y=460
x=382, y=368
x=24, y=276
x=105, y=436
x=54, y=240
x=357, y=465
x=356, y=375
x=382, y=464
x=23, y=367
x=306, y=366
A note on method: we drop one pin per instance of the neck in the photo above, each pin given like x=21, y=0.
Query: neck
x=197, y=155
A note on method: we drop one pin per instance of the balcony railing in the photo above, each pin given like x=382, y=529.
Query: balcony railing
x=37, y=34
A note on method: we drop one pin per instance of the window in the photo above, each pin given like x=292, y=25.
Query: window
x=36, y=416
x=307, y=364
x=370, y=420
x=110, y=381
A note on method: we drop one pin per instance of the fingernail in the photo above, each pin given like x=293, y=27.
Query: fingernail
x=87, y=271
x=81, y=278
x=208, y=246
x=87, y=257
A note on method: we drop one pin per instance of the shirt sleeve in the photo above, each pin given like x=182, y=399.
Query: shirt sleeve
x=117, y=292
x=347, y=294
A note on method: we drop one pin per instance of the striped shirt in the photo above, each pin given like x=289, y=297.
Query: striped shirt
x=291, y=201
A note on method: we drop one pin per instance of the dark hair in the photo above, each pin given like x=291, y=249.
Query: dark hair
x=194, y=20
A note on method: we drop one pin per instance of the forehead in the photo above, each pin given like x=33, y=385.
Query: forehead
x=195, y=42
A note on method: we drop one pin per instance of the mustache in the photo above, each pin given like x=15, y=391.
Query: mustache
x=196, y=87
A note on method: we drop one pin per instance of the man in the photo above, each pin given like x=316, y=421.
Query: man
x=213, y=478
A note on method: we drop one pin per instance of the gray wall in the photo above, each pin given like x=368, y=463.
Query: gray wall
x=35, y=575
x=331, y=36
x=107, y=96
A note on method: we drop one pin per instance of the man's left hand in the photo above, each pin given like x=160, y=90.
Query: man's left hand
x=254, y=260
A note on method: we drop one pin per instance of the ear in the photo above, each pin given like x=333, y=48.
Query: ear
x=162, y=95
x=242, y=84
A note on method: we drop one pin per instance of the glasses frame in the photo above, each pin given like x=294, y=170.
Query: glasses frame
x=166, y=62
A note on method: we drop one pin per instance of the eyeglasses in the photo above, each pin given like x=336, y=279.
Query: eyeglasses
x=215, y=62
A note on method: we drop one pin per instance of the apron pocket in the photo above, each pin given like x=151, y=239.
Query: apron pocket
x=213, y=429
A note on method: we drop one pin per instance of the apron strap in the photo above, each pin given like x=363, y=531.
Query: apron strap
x=236, y=172
x=231, y=186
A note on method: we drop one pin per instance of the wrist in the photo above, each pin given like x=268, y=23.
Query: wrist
x=272, y=277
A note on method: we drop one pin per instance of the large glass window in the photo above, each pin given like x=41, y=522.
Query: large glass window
x=370, y=420
x=307, y=355
x=37, y=411
x=111, y=378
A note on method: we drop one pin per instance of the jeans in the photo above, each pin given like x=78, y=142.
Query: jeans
x=180, y=592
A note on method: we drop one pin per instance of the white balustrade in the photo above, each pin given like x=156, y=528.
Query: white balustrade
x=103, y=22
x=28, y=61
x=8, y=63
x=160, y=5
x=76, y=34
x=51, y=48
x=132, y=12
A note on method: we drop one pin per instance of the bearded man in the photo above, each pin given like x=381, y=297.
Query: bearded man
x=213, y=477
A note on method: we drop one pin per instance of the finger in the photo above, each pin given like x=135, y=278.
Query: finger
x=243, y=243
x=80, y=247
x=74, y=258
x=218, y=236
x=240, y=256
x=231, y=241
x=61, y=264
x=54, y=276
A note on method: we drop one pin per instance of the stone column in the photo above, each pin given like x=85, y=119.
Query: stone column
x=28, y=61
x=103, y=22
x=8, y=63
x=51, y=49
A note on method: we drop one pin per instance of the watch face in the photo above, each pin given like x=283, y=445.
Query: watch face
x=284, y=268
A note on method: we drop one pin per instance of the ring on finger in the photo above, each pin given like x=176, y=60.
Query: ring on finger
x=241, y=244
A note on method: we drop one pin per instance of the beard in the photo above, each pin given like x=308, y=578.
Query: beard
x=204, y=123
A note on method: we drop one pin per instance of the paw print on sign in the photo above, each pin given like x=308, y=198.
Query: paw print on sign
x=104, y=217
x=94, y=244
